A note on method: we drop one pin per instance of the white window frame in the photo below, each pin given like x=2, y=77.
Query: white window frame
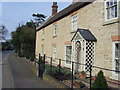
x=55, y=30
x=54, y=53
x=115, y=75
x=74, y=22
x=42, y=50
x=43, y=34
x=68, y=64
x=110, y=7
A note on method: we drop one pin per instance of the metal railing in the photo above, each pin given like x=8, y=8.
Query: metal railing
x=50, y=62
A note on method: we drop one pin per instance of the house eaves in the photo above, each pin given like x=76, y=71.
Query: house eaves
x=65, y=12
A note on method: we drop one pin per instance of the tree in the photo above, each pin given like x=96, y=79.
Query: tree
x=16, y=39
x=39, y=18
x=100, y=82
x=3, y=32
x=23, y=40
x=7, y=45
x=28, y=42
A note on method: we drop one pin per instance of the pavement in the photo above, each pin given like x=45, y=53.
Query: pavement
x=16, y=74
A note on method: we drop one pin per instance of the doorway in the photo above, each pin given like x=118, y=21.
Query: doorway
x=77, y=56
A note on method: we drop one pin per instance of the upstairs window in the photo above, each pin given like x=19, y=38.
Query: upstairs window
x=74, y=22
x=55, y=30
x=111, y=7
x=43, y=33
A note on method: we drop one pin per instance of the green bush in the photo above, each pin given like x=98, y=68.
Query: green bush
x=32, y=59
x=64, y=72
x=100, y=82
x=15, y=54
x=27, y=56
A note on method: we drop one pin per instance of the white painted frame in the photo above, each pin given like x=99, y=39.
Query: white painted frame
x=42, y=50
x=105, y=11
x=43, y=34
x=54, y=29
x=115, y=75
x=67, y=64
x=82, y=53
x=54, y=48
x=72, y=23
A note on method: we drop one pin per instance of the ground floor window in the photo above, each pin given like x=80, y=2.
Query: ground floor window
x=54, y=52
x=117, y=66
x=42, y=50
x=68, y=54
x=116, y=51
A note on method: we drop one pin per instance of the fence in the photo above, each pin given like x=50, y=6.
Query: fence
x=45, y=60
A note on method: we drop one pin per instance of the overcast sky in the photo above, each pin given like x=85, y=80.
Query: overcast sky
x=14, y=13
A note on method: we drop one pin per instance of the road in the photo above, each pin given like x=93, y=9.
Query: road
x=17, y=75
x=7, y=77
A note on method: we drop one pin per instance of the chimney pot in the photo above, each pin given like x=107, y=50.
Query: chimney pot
x=54, y=8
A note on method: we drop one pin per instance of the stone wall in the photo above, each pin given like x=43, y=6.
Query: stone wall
x=89, y=17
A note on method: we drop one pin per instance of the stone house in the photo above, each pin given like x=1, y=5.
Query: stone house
x=84, y=32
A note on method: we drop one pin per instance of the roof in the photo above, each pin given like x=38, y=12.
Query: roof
x=65, y=12
x=86, y=34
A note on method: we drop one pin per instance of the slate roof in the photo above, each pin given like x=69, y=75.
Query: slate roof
x=65, y=12
x=86, y=34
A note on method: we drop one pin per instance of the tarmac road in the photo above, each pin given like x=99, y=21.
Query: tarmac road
x=7, y=78
x=17, y=75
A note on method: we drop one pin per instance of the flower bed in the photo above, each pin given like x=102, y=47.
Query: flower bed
x=64, y=74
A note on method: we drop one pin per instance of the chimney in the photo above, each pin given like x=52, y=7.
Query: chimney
x=74, y=1
x=54, y=8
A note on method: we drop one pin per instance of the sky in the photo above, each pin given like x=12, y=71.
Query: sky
x=14, y=13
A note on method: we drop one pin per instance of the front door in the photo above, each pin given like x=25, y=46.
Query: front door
x=77, y=56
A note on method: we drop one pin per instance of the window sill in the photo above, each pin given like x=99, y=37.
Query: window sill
x=54, y=36
x=110, y=22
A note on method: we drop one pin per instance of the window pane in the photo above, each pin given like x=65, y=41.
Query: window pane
x=54, y=52
x=108, y=13
x=111, y=9
x=115, y=1
x=55, y=29
x=117, y=46
x=68, y=54
x=107, y=4
x=117, y=54
x=112, y=12
x=74, y=21
x=42, y=50
x=117, y=66
x=111, y=2
x=115, y=10
x=117, y=50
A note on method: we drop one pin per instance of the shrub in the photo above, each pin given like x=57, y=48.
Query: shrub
x=15, y=54
x=32, y=59
x=64, y=72
x=83, y=73
x=100, y=82
x=27, y=56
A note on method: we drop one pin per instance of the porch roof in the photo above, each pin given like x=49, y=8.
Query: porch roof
x=86, y=34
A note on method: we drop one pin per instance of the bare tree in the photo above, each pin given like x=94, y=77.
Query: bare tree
x=3, y=32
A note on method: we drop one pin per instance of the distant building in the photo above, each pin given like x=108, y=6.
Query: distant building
x=84, y=32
